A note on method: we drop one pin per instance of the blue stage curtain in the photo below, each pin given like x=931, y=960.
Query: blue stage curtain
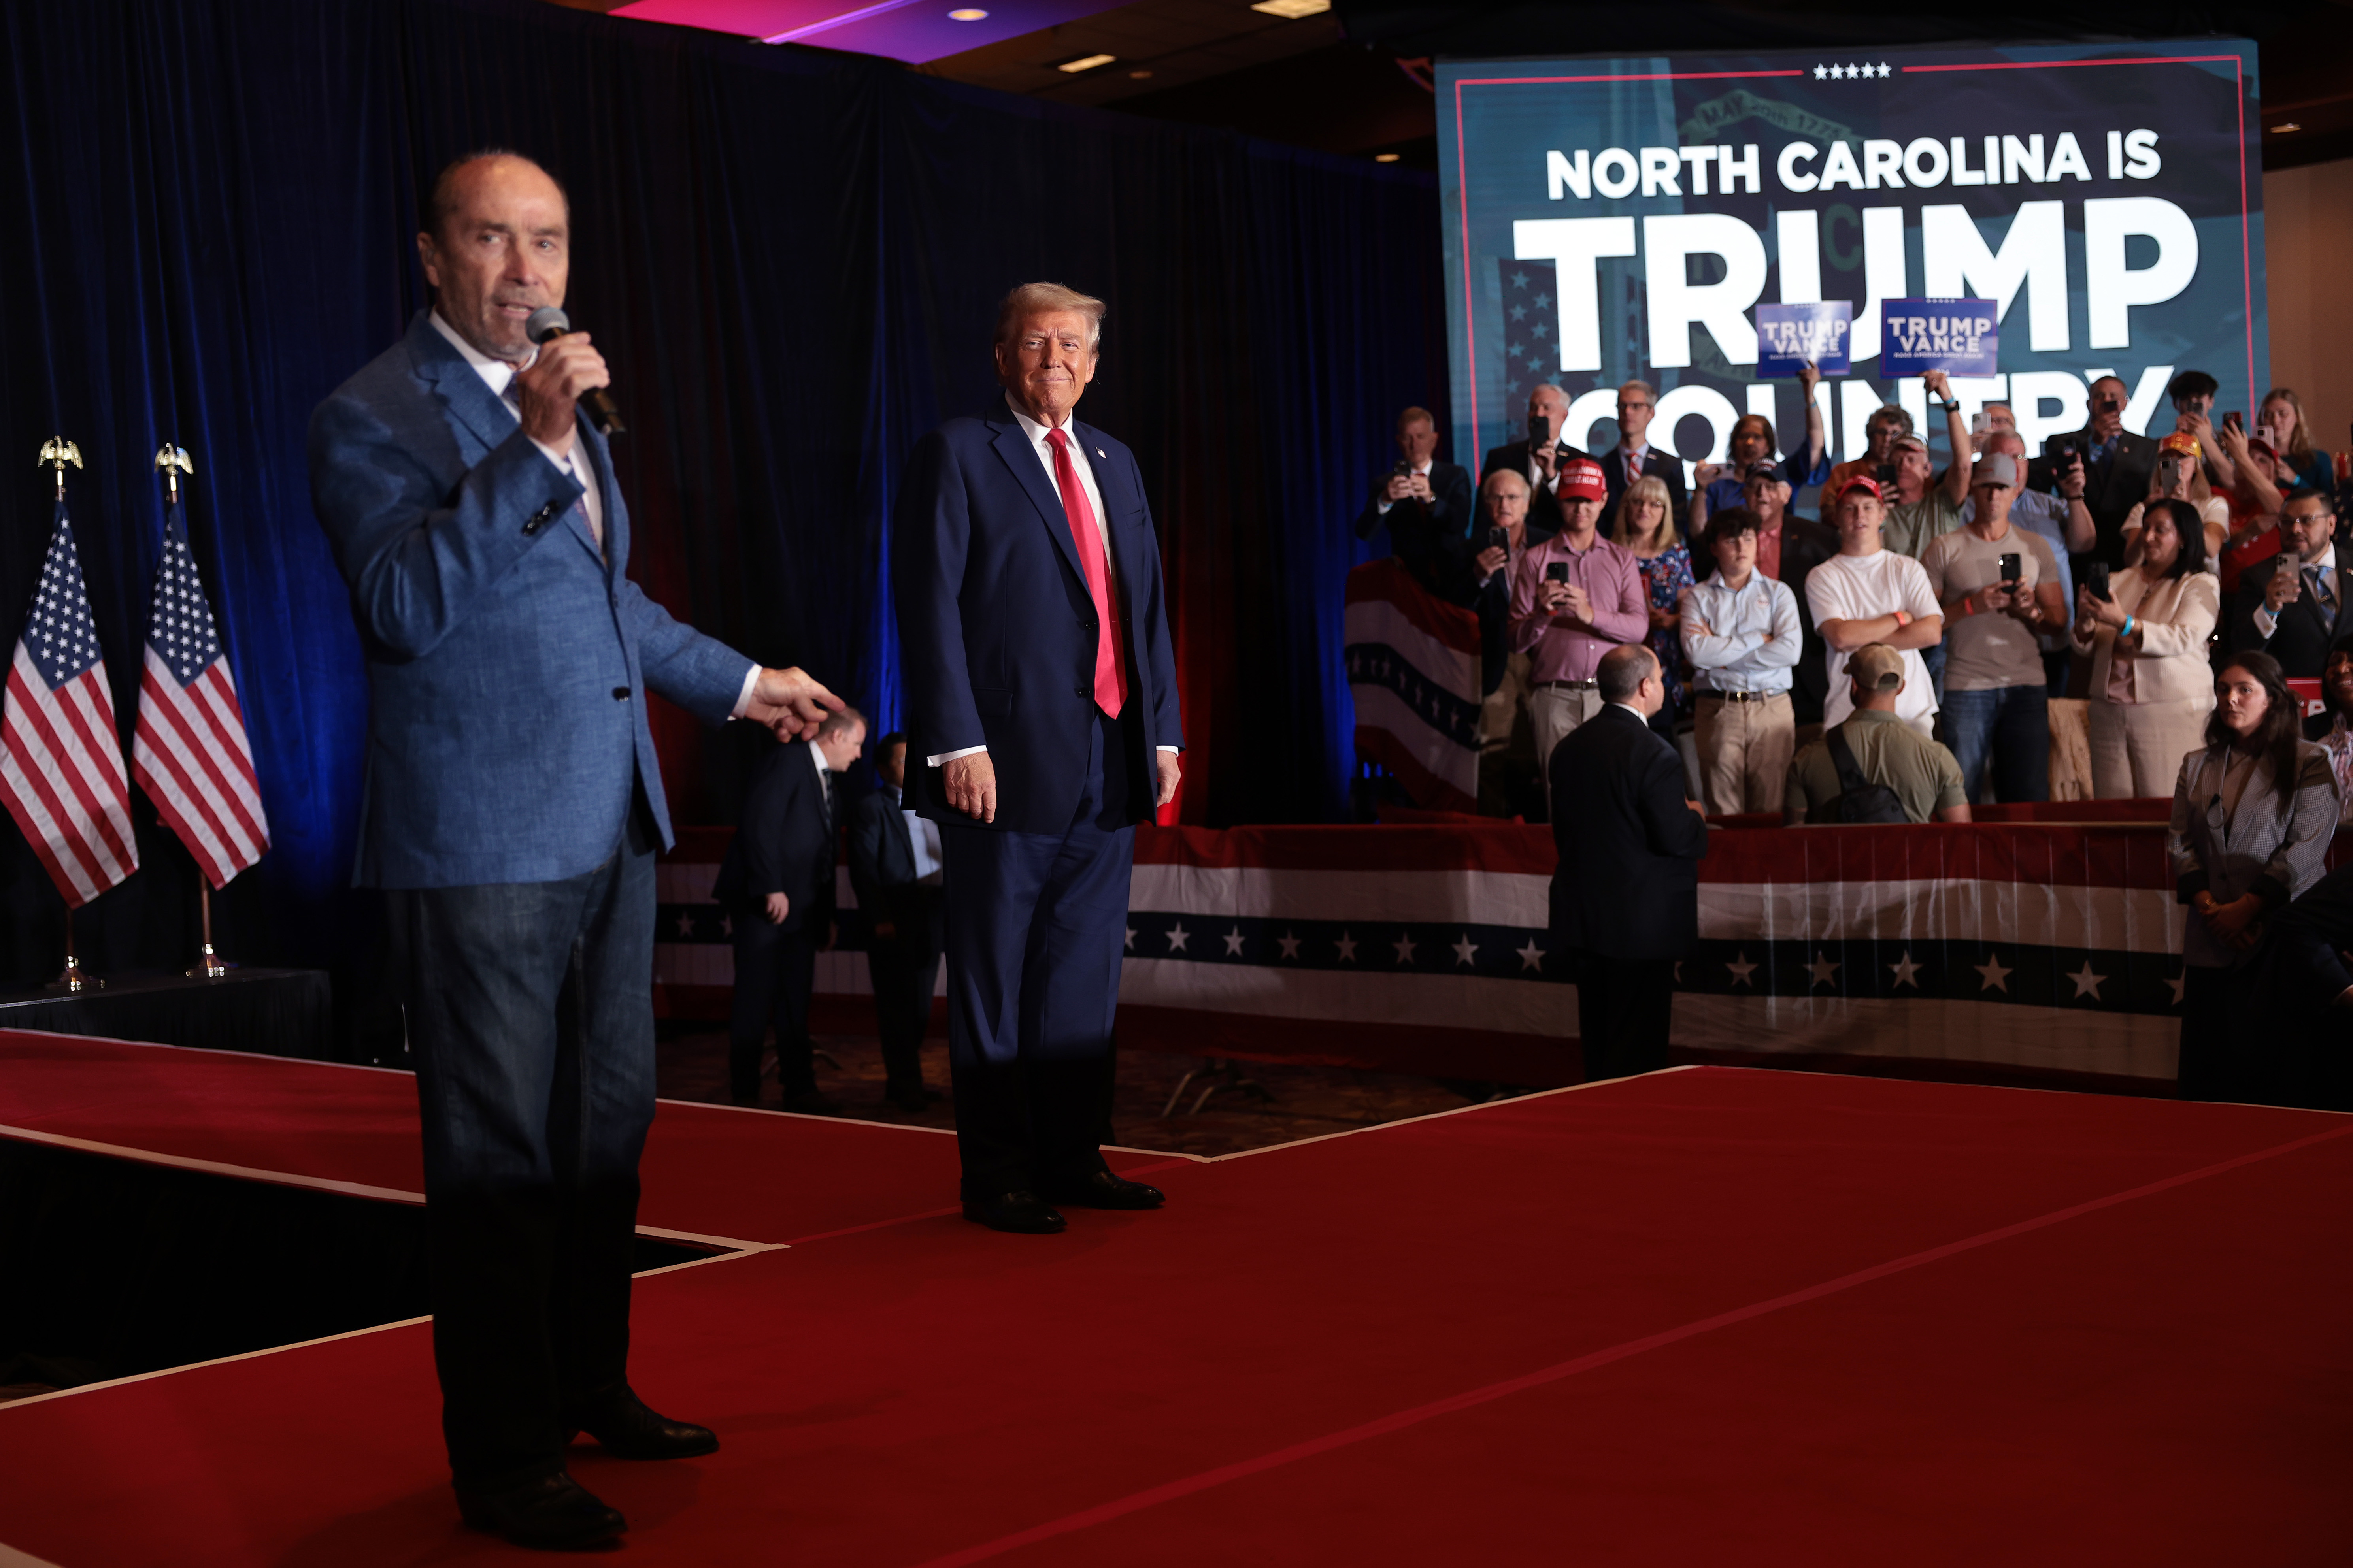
x=790, y=257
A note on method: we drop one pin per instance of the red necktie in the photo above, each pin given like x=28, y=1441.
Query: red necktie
x=1110, y=681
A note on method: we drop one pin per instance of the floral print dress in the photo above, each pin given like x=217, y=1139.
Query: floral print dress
x=1668, y=574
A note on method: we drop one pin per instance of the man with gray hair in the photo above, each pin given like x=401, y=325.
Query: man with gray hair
x=1041, y=705
x=1538, y=456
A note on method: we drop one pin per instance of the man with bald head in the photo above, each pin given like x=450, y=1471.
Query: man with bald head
x=514, y=808
x=1537, y=459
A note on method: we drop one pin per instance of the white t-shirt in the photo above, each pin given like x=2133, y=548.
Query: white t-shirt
x=1863, y=588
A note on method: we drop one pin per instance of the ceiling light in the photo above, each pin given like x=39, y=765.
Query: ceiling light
x=1291, y=10
x=1385, y=157
x=2290, y=125
x=968, y=15
x=1085, y=63
x=1138, y=75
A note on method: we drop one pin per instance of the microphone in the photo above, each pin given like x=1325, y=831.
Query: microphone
x=546, y=324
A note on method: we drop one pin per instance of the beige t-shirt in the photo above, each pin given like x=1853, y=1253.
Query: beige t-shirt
x=1988, y=650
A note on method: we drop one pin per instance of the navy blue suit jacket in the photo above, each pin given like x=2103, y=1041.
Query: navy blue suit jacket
x=997, y=628
x=1628, y=881
x=506, y=662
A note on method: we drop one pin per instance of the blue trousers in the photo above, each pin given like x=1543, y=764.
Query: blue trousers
x=2011, y=725
x=1036, y=927
x=530, y=1017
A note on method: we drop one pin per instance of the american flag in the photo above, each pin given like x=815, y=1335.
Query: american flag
x=190, y=751
x=60, y=760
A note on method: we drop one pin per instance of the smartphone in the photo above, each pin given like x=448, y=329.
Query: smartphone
x=1557, y=572
x=1540, y=430
x=1402, y=468
x=2235, y=421
x=1497, y=538
x=1885, y=474
x=2013, y=568
x=2095, y=578
x=1978, y=423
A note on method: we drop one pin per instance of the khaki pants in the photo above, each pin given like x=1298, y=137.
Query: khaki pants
x=1744, y=752
x=1507, y=746
x=1555, y=710
x=2137, y=747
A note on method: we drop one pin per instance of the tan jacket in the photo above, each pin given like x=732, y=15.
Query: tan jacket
x=2176, y=615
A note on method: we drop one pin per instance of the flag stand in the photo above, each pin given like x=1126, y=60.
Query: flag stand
x=172, y=461
x=56, y=452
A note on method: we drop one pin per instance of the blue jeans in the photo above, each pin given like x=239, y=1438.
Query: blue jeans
x=2008, y=724
x=531, y=1013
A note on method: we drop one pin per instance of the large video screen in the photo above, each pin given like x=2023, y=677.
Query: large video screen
x=1609, y=220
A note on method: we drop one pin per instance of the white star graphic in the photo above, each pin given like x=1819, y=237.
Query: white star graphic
x=1466, y=950
x=1176, y=935
x=1882, y=68
x=727, y=925
x=1531, y=956
x=1905, y=969
x=1404, y=946
x=1289, y=943
x=1824, y=972
x=2086, y=983
x=2177, y=982
x=1233, y=940
x=685, y=925
x=1347, y=947
x=1741, y=968
x=1995, y=976
x=1822, y=71
x=1131, y=938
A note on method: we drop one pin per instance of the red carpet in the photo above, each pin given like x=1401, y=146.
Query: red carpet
x=1708, y=1316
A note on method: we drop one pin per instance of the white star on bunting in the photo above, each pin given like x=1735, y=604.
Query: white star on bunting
x=1289, y=943
x=1531, y=956
x=1177, y=937
x=1466, y=950
x=1233, y=940
x=1995, y=976
x=1905, y=969
x=2177, y=982
x=1347, y=948
x=1824, y=972
x=1131, y=938
x=1741, y=968
x=1404, y=946
x=2086, y=983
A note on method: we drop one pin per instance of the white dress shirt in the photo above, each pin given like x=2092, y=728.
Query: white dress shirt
x=1082, y=461
x=924, y=834
x=498, y=376
x=1738, y=657
x=2266, y=623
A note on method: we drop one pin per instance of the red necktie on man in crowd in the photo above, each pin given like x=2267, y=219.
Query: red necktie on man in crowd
x=1111, y=679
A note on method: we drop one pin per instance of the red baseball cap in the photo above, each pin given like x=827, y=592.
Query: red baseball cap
x=1859, y=482
x=1582, y=477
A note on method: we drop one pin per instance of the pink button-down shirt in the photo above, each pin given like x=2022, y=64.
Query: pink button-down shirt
x=1558, y=647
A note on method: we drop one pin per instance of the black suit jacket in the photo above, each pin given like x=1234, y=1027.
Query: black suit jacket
x=882, y=857
x=1656, y=464
x=2111, y=489
x=784, y=844
x=1492, y=600
x=1628, y=881
x=1432, y=538
x=1806, y=544
x=2304, y=635
x=1544, y=507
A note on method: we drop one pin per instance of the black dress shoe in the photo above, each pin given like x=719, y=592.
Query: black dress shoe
x=912, y=1098
x=809, y=1103
x=631, y=1431
x=1020, y=1213
x=1104, y=1191
x=554, y=1514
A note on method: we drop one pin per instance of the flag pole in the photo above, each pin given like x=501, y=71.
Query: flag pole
x=56, y=452
x=172, y=460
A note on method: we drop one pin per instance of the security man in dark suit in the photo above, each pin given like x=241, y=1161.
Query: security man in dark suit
x=2116, y=466
x=1425, y=504
x=1538, y=461
x=894, y=869
x=2293, y=607
x=776, y=882
x=1625, y=896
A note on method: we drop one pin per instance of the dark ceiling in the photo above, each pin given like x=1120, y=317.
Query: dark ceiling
x=1351, y=80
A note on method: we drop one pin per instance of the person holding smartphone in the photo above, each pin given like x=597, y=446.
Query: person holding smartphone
x=2180, y=475
x=2145, y=629
x=1578, y=596
x=2115, y=461
x=1537, y=457
x=1999, y=588
x=1423, y=502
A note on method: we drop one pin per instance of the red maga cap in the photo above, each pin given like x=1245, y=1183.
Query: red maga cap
x=1582, y=477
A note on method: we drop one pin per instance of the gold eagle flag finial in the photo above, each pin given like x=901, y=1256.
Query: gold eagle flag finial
x=173, y=461
x=57, y=451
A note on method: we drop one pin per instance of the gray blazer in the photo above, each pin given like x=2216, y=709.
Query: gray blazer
x=506, y=663
x=2273, y=854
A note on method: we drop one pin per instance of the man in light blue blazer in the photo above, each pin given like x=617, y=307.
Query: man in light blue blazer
x=1041, y=701
x=514, y=808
